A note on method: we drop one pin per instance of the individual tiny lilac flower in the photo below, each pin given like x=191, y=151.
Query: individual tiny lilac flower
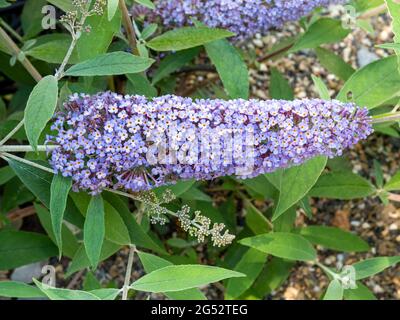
x=208, y=138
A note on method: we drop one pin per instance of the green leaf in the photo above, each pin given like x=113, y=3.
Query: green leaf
x=360, y=293
x=231, y=68
x=182, y=277
x=94, y=230
x=69, y=242
x=81, y=261
x=294, y=183
x=393, y=46
x=59, y=190
x=65, y=5
x=39, y=182
x=177, y=189
x=52, y=48
x=255, y=219
x=283, y=245
x=334, y=64
x=342, y=185
x=146, y=3
x=334, y=291
x=31, y=18
x=18, y=248
x=139, y=84
x=15, y=289
x=394, y=183
x=102, y=31
x=324, y=30
x=370, y=267
x=40, y=108
x=279, y=87
x=138, y=235
x=4, y=4
x=372, y=85
x=394, y=11
x=173, y=62
x=321, y=87
x=334, y=238
x=275, y=272
x=64, y=294
x=112, y=7
x=251, y=264
x=106, y=293
x=116, y=230
x=151, y=263
x=113, y=63
x=187, y=37
x=6, y=174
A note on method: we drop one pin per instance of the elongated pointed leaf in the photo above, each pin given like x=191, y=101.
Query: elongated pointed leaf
x=94, y=229
x=18, y=248
x=294, y=183
x=370, y=267
x=40, y=108
x=231, y=68
x=334, y=291
x=151, y=263
x=112, y=7
x=64, y=294
x=342, y=185
x=182, y=277
x=59, y=190
x=15, y=289
x=114, y=63
x=187, y=37
x=372, y=85
x=334, y=238
x=283, y=245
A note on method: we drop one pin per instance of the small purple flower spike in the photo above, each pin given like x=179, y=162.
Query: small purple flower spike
x=132, y=143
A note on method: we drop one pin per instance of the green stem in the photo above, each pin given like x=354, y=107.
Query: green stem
x=387, y=117
x=13, y=131
x=128, y=272
x=9, y=148
x=326, y=270
x=11, y=31
x=7, y=156
x=10, y=44
x=127, y=23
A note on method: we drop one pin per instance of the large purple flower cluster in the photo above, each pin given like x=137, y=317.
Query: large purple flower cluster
x=243, y=17
x=132, y=143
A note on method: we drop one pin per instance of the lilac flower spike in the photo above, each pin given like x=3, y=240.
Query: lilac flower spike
x=132, y=143
x=243, y=17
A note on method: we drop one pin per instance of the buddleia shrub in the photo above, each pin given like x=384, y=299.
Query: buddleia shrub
x=136, y=135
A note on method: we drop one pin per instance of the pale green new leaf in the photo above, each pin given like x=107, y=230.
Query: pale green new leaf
x=334, y=291
x=370, y=267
